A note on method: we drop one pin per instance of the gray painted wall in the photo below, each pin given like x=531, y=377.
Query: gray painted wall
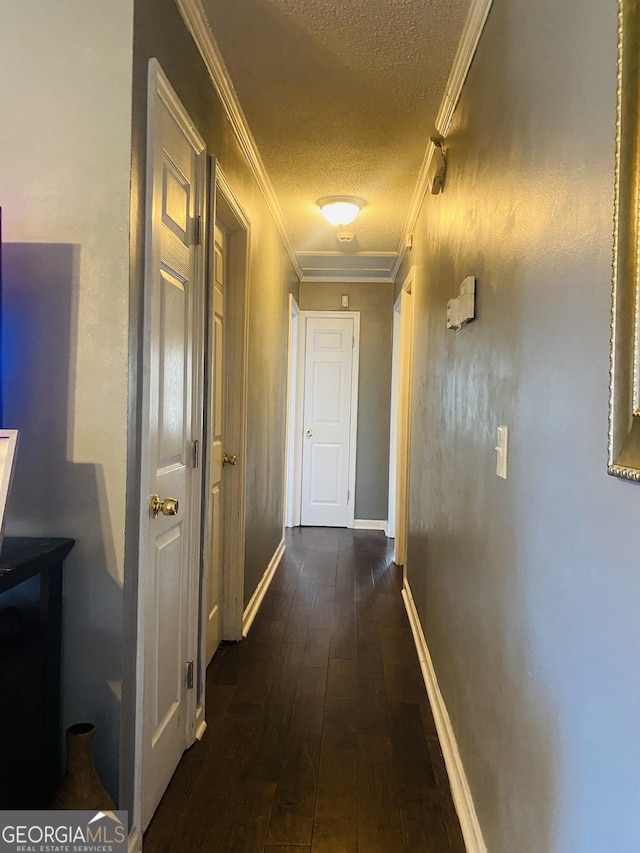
x=528, y=588
x=375, y=303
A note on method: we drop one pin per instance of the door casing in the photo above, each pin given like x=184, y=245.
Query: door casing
x=292, y=496
x=390, y=532
x=295, y=452
x=230, y=213
x=403, y=425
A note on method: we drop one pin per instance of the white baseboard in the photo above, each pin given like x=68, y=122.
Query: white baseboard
x=261, y=590
x=135, y=841
x=369, y=524
x=462, y=799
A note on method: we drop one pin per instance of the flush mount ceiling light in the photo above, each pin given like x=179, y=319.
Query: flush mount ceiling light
x=340, y=209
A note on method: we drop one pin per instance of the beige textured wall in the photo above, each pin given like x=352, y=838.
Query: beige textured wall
x=528, y=588
x=65, y=143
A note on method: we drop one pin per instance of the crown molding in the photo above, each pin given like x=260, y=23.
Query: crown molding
x=196, y=21
x=467, y=47
x=473, y=28
x=327, y=278
x=324, y=253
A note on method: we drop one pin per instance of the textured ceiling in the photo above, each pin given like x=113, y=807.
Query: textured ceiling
x=341, y=98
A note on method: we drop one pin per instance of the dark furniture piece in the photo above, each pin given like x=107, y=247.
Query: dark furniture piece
x=30, y=669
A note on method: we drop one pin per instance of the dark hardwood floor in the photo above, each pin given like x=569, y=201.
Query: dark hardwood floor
x=320, y=738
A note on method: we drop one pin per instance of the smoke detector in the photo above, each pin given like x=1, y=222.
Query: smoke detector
x=345, y=236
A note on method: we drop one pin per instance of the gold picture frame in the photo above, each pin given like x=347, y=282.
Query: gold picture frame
x=624, y=386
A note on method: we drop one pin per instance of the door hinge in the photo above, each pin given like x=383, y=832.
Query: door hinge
x=195, y=454
x=196, y=225
x=189, y=675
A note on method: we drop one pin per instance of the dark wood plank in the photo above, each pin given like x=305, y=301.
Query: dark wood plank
x=379, y=822
x=401, y=684
x=411, y=752
x=300, y=613
x=316, y=649
x=287, y=848
x=339, y=724
x=343, y=639
x=341, y=678
x=336, y=814
x=370, y=661
x=248, y=820
x=308, y=710
x=423, y=821
x=372, y=710
x=291, y=819
x=398, y=646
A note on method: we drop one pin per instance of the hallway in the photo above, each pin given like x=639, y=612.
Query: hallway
x=320, y=737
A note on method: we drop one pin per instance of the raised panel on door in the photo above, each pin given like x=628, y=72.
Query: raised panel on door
x=166, y=590
x=327, y=380
x=325, y=474
x=172, y=369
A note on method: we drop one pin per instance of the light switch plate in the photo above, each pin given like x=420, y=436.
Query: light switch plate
x=501, y=452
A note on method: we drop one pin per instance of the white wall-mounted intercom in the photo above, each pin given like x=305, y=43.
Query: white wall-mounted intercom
x=463, y=308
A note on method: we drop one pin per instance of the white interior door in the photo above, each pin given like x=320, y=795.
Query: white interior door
x=171, y=514
x=216, y=449
x=327, y=415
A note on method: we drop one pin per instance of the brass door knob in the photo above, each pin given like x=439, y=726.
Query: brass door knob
x=229, y=460
x=167, y=506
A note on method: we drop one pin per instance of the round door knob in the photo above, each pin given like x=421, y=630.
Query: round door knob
x=167, y=506
x=309, y=432
x=229, y=460
x=170, y=506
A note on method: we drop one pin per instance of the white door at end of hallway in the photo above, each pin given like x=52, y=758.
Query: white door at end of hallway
x=326, y=449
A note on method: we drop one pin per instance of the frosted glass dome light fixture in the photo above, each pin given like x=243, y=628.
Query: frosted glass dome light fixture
x=340, y=210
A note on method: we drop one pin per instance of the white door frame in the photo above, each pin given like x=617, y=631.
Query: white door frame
x=229, y=211
x=390, y=531
x=403, y=425
x=292, y=497
x=158, y=86
x=353, y=436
